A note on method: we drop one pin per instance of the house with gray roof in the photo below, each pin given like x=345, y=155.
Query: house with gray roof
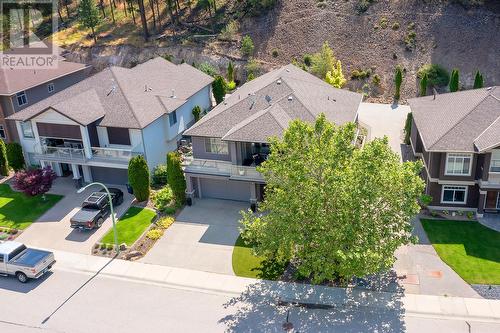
x=22, y=88
x=457, y=136
x=231, y=140
x=94, y=127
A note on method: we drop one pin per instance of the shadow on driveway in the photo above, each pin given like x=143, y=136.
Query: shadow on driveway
x=11, y=283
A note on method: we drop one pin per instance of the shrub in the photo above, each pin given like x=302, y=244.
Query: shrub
x=335, y=77
x=470, y=215
x=436, y=74
x=196, y=113
x=376, y=80
x=162, y=198
x=231, y=85
x=383, y=22
x=250, y=77
x=219, y=89
x=165, y=222
x=159, y=177
x=230, y=30
x=454, y=80
x=423, y=85
x=275, y=53
x=169, y=210
x=410, y=40
x=407, y=129
x=247, y=46
x=109, y=247
x=425, y=200
x=363, y=5
x=398, y=79
x=359, y=74
x=103, y=246
x=15, y=156
x=395, y=26
x=478, y=80
x=4, y=162
x=208, y=69
x=138, y=177
x=230, y=72
x=154, y=234
x=253, y=66
x=176, y=178
x=307, y=60
x=33, y=182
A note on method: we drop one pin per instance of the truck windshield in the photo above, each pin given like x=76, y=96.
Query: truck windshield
x=16, y=252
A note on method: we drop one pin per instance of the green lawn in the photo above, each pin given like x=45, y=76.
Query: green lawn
x=246, y=264
x=130, y=226
x=18, y=211
x=471, y=249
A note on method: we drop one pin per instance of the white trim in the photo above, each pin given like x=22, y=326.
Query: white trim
x=471, y=157
x=455, y=182
x=465, y=188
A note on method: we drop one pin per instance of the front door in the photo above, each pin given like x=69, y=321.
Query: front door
x=492, y=200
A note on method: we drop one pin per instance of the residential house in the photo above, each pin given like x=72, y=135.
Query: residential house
x=21, y=88
x=230, y=141
x=457, y=135
x=94, y=127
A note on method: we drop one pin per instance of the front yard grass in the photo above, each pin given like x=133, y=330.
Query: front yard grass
x=246, y=264
x=469, y=248
x=130, y=226
x=18, y=211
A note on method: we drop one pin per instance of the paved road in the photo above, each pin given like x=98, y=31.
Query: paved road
x=75, y=302
x=202, y=237
x=52, y=229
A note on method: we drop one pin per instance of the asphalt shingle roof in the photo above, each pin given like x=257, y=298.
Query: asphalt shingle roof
x=465, y=121
x=122, y=97
x=263, y=107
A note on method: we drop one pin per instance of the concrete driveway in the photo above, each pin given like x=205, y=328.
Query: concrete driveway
x=384, y=119
x=201, y=238
x=52, y=229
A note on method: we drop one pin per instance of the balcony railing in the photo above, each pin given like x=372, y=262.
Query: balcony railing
x=112, y=154
x=222, y=168
x=62, y=153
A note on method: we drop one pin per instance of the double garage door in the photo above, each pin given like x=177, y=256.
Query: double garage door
x=110, y=175
x=225, y=189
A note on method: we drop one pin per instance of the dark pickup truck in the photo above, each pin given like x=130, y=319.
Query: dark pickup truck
x=95, y=209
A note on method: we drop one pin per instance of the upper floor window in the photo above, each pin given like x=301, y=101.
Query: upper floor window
x=50, y=87
x=495, y=161
x=172, y=118
x=27, y=129
x=22, y=99
x=216, y=146
x=458, y=164
x=118, y=136
x=2, y=132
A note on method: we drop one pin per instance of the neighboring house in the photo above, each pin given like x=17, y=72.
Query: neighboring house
x=231, y=140
x=94, y=127
x=21, y=88
x=457, y=135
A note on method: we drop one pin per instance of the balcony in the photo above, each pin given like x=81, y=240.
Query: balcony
x=60, y=154
x=222, y=168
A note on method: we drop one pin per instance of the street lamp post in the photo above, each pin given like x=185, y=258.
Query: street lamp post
x=111, y=207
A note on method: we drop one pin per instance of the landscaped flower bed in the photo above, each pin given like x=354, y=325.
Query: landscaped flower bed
x=8, y=233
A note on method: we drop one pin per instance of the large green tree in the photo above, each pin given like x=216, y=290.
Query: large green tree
x=333, y=210
x=176, y=178
x=88, y=15
x=323, y=61
x=138, y=177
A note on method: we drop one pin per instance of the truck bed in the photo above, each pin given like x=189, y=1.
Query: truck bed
x=84, y=216
x=30, y=257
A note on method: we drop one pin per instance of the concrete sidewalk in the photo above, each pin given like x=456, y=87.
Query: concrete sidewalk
x=292, y=293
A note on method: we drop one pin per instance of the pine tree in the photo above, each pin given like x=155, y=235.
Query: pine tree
x=175, y=178
x=4, y=164
x=88, y=15
x=335, y=77
x=478, y=80
x=454, y=80
x=423, y=85
x=398, y=79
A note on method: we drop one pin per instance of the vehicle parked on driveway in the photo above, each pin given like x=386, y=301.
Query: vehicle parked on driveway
x=25, y=263
x=95, y=209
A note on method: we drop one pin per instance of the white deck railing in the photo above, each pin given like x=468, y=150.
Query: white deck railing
x=222, y=168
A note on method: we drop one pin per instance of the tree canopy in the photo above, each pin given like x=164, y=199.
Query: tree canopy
x=333, y=210
x=323, y=61
x=88, y=15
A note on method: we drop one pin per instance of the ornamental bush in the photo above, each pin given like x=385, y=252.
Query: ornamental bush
x=159, y=177
x=34, y=181
x=196, y=113
x=4, y=164
x=138, y=177
x=162, y=198
x=15, y=156
x=176, y=179
x=437, y=75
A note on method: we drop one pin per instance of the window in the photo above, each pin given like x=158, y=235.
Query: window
x=458, y=164
x=118, y=136
x=50, y=87
x=495, y=161
x=27, y=129
x=2, y=132
x=216, y=146
x=454, y=194
x=22, y=99
x=172, y=118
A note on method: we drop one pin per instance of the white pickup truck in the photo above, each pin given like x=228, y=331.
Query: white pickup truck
x=25, y=263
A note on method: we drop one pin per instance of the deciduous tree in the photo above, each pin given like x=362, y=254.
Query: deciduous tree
x=34, y=182
x=335, y=76
x=323, y=61
x=333, y=210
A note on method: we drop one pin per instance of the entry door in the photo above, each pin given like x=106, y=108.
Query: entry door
x=498, y=200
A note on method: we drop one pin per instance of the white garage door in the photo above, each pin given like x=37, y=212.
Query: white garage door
x=225, y=189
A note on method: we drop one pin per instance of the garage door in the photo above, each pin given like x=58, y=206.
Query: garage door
x=110, y=175
x=225, y=189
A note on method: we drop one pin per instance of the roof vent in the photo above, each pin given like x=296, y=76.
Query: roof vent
x=146, y=88
x=279, y=81
x=288, y=70
x=268, y=99
x=173, y=93
x=290, y=97
x=489, y=88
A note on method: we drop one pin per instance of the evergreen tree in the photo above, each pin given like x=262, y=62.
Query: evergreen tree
x=335, y=77
x=398, y=79
x=219, y=89
x=176, y=179
x=4, y=164
x=478, y=80
x=15, y=156
x=454, y=80
x=423, y=85
x=196, y=113
x=88, y=15
x=230, y=72
x=138, y=177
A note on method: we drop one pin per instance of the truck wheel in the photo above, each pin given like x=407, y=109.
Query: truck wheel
x=22, y=277
x=100, y=221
